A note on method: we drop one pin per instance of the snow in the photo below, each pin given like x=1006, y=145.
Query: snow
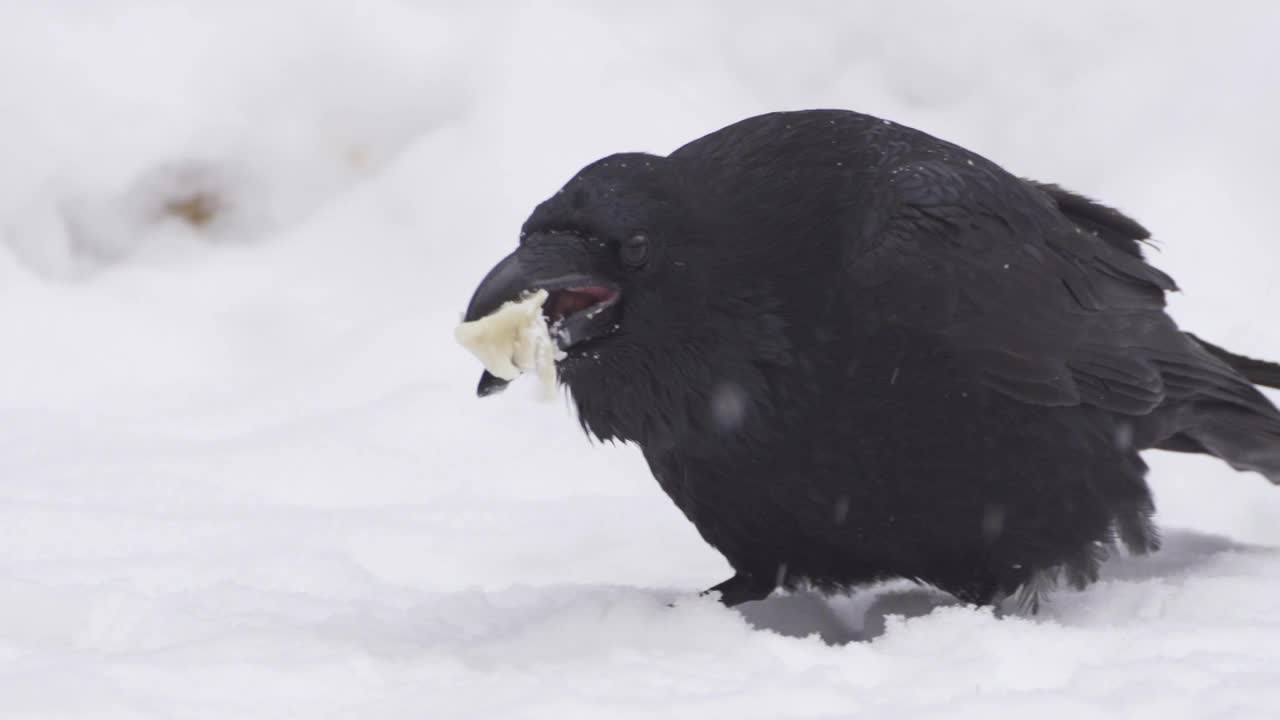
x=243, y=473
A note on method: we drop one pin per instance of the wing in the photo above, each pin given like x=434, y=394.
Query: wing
x=1109, y=224
x=1044, y=309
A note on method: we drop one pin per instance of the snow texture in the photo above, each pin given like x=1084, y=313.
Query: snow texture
x=242, y=470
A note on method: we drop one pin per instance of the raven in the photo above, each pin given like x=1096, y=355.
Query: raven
x=851, y=351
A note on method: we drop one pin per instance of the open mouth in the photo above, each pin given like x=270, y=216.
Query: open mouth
x=569, y=301
x=577, y=313
x=580, y=308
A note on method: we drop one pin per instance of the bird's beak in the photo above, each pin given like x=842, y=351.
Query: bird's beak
x=579, y=307
x=504, y=282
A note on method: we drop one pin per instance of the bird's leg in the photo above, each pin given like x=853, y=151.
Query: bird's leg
x=742, y=588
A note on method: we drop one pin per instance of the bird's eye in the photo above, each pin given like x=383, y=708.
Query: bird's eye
x=634, y=251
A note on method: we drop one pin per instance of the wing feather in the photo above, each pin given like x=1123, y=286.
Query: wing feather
x=1044, y=309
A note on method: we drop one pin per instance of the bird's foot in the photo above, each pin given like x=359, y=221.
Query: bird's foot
x=742, y=588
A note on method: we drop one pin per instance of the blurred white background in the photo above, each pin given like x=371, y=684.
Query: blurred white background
x=242, y=471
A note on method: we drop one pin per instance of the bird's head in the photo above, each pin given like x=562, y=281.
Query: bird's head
x=664, y=329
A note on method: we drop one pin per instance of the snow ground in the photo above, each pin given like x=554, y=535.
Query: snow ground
x=243, y=473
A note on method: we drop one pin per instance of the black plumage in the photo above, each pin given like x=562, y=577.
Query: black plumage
x=851, y=351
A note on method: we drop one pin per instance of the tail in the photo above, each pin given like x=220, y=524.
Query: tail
x=1258, y=372
x=1213, y=406
x=1228, y=417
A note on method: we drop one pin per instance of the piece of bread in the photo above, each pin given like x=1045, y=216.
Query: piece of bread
x=513, y=340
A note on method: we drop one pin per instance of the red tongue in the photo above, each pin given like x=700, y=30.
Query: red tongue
x=571, y=302
x=597, y=294
x=568, y=302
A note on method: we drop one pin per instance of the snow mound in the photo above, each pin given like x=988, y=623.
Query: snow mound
x=136, y=127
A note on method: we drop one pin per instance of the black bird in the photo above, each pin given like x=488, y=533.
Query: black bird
x=851, y=351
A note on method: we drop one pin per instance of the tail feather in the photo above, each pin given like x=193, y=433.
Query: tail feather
x=1258, y=372
x=1245, y=441
x=1220, y=412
